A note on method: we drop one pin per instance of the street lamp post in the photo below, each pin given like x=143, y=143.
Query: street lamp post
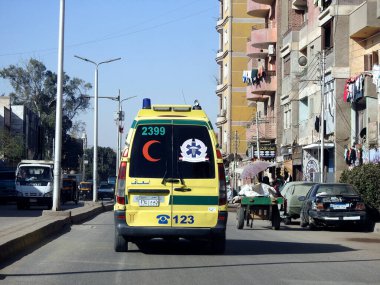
x=95, y=162
x=119, y=120
x=84, y=141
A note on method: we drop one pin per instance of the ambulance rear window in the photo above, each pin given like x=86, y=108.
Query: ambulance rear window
x=172, y=151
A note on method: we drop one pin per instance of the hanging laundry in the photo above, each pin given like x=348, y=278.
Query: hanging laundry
x=254, y=76
x=376, y=76
x=358, y=87
x=345, y=92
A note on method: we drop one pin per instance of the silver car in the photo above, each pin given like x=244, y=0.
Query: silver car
x=292, y=206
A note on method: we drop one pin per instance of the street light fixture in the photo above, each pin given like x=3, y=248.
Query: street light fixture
x=119, y=118
x=95, y=163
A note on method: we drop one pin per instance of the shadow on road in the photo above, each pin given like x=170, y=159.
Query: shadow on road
x=238, y=247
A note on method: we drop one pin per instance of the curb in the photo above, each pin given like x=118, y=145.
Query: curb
x=45, y=226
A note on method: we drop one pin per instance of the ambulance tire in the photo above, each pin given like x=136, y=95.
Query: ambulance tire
x=120, y=243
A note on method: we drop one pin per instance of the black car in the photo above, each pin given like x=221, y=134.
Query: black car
x=106, y=191
x=332, y=204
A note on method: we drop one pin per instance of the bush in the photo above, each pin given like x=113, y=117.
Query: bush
x=366, y=179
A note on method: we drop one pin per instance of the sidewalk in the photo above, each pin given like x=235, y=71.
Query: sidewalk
x=19, y=236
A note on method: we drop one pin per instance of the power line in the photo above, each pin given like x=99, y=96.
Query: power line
x=115, y=35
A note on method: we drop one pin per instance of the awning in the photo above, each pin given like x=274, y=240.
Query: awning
x=318, y=146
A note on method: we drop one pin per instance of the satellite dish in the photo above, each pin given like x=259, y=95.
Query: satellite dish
x=302, y=60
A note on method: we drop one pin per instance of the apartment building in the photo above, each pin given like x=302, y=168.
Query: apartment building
x=19, y=120
x=261, y=79
x=315, y=59
x=235, y=112
x=364, y=48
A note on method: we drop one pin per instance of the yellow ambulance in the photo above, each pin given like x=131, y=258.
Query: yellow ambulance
x=171, y=181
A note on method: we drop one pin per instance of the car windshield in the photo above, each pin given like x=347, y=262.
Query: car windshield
x=34, y=173
x=175, y=151
x=106, y=186
x=336, y=190
x=301, y=190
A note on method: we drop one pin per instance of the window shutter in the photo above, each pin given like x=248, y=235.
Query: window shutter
x=375, y=58
x=367, y=62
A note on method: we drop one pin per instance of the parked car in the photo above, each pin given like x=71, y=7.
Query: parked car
x=332, y=204
x=292, y=206
x=7, y=186
x=106, y=191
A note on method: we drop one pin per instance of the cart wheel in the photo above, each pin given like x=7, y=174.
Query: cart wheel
x=240, y=218
x=276, y=219
x=287, y=221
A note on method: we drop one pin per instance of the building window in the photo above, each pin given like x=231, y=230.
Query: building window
x=225, y=4
x=225, y=71
x=327, y=35
x=225, y=37
x=287, y=65
x=287, y=116
x=370, y=60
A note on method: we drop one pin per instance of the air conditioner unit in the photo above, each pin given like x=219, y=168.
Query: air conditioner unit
x=271, y=50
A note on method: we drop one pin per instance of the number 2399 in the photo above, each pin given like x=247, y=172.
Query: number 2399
x=183, y=219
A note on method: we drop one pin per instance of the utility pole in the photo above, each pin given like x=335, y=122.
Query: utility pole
x=257, y=135
x=235, y=158
x=323, y=61
x=58, y=117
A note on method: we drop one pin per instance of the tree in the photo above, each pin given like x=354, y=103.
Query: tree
x=36, y=87
x=106, y=162
x=366, y=180
x=11, y=146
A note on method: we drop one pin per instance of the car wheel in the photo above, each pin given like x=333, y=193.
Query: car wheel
x=276, y=219
x=240, y=218
x=303, y=223
x=120, y=243
x=313, y=227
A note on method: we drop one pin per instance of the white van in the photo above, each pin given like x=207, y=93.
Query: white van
x=34, y=183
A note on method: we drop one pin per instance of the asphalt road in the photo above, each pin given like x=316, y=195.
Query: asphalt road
x=292, y=255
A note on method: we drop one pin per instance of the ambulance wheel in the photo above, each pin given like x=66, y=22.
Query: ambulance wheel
x=120, y=243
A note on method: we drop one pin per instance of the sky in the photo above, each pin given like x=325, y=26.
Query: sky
x=167, y=51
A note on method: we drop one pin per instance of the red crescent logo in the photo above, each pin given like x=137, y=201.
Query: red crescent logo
x=145, y=151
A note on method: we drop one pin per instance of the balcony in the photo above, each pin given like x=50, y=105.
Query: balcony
x=262, y=38
x=299, y=4
x=221, y=87
x=267, y=86
x=267, y=2
x=267, y=129
x=364, y=22
x=220, y=24
x=255, y=97
x=254, y=52
x=258, y=10
x=220, y=56
x=221, y=118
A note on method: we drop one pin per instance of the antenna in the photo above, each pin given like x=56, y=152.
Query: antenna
x=183, y=95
